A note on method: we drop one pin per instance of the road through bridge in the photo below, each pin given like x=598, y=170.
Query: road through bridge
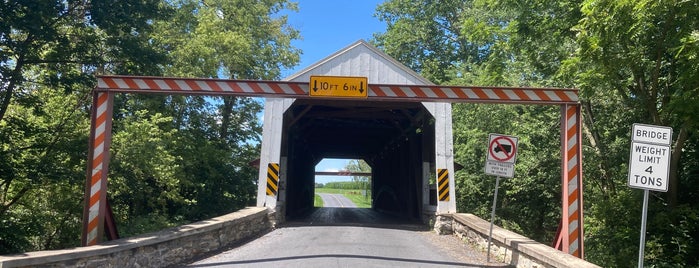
x=336, y=201
x=341, y=235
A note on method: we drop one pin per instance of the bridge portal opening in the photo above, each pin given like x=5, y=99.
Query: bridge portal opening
x=396, y=139
x=343, y=183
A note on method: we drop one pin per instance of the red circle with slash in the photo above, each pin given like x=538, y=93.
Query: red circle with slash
x=499, y=142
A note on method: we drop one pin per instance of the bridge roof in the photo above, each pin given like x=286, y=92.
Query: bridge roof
x=362, y=59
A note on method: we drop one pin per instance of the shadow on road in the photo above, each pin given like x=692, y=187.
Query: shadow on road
x=409, y=262
x=365, y=217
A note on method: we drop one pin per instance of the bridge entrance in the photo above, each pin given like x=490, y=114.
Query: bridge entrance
x=402, y=128
x=394, y=138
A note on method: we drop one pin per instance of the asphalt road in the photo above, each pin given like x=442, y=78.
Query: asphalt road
x=349, y=237
x=336, y=201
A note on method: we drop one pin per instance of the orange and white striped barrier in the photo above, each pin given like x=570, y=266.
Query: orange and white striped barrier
x=570, y=235
x=478, y=94
x=98, y=163
x=300, y=90
x=569, y=239
x=200, y=86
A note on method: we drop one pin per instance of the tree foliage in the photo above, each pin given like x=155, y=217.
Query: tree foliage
x=633, y=61
x=174, y=159
x=357, y=165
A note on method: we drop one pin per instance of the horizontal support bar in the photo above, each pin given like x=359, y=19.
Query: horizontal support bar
x=342, y=173
x=299, y=90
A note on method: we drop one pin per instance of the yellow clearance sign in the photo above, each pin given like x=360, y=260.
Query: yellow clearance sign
x=338, y=86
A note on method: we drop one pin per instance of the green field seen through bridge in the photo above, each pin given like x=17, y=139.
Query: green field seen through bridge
x=360, y=197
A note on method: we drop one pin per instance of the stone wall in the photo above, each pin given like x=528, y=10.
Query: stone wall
x=506, y=246
x=160, y=249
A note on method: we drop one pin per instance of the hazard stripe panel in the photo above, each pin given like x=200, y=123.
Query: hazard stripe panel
x=569, y=237
x=200, y=86
x=443, y=184
x=474, y=94
x=272, y=179
x=572, y=157
x=101, y=117
x=300, y=90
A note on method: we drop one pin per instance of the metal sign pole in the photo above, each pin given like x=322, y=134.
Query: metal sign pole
x=644, y=216
x=492, y=214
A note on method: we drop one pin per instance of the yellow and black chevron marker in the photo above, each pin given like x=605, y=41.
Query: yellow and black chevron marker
x=272, y=178
x=443, y=184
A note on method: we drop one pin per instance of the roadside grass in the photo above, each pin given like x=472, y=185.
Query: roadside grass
x=355, y=195
x=317, y=201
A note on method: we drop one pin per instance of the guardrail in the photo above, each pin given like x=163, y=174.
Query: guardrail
x=160, y=249
x=507, y=246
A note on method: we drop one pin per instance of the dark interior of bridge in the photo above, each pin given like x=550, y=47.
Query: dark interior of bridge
x=393, y=138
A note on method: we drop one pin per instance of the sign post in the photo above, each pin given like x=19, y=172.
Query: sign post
x=649, y=167
x=500, y=162
x=492, y=215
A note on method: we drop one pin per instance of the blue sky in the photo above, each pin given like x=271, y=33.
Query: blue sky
x=327, y=26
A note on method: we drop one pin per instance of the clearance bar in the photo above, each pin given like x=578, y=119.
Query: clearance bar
x=257, y=88
x=343, y=173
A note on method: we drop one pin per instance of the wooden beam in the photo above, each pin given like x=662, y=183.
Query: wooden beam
x=343, y=173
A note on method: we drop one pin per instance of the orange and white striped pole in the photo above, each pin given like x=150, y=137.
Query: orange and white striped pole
x=98, y=165
x=570, y=236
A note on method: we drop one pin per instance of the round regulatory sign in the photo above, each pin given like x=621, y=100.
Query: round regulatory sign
x=503, y=149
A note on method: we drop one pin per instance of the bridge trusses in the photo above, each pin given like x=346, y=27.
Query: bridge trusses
x=570, y=235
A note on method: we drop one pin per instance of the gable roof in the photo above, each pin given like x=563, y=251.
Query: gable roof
x=362, y=59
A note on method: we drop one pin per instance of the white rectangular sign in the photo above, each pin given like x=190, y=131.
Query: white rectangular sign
x=650, y=157
x=500, y=169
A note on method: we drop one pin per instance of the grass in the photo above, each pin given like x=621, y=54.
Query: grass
x=352, y=194
x=317, y=201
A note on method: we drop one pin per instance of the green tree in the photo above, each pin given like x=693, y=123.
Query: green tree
x=144, y=172
x=633, y=62
x=42, y=172
x=215, y=137
x=642, y=55
x=504, y=43
x=178, y=159
x=224, y=39
x=49, y=51
x=646, y=53
x=361, y=182
x=528, y=203
x=72, y=40
x=427, y=36
x=494, y=43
